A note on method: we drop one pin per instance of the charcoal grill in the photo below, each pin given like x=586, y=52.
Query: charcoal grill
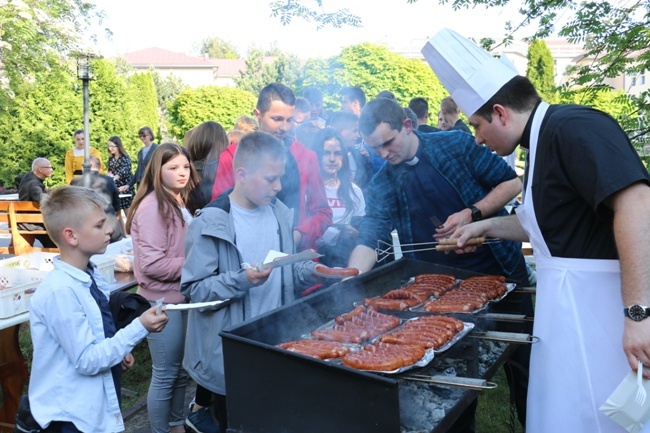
x=271, y=390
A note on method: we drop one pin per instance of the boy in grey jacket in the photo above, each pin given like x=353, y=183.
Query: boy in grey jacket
x=241, y=225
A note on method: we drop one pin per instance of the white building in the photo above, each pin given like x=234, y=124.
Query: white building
x=564, y=55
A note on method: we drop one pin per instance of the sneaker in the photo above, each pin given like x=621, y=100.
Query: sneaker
x=201, y=421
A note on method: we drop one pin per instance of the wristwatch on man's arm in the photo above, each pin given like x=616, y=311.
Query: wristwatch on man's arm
x=477, y=215
x=637, y=312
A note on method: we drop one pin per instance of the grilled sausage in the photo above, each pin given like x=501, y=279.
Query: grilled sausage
x=336, y=272
x=348, y=316
x=316, y=348
x=439, y=307
x=340, y=336
x=390, y=304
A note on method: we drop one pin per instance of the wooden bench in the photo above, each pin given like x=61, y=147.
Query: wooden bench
x=22, y=212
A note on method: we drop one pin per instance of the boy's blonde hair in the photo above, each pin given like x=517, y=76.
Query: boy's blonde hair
x=246, y=124
x=68, y=206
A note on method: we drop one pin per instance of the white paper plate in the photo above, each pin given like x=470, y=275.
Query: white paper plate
x=195, y=305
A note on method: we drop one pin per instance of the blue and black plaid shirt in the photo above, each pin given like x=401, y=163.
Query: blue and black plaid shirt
x=473, y=171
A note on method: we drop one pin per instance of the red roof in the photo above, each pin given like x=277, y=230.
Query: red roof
x=562, y=46
x=160, y=58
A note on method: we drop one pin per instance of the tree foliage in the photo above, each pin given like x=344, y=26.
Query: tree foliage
x=273, y=50
x=217, y=48
x=286, y=10
x=541, y=70
x=38, y=122
x=220, y=104
x=614, y=32
x=120, y=106
x=616, y=104
x=141, y=92
x=34, y=35
x=167, y=87
x=43, y=114
x=285, y=68
x=373, y=68
x=109, y=104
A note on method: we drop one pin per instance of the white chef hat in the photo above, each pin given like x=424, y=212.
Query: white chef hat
x=468, y=72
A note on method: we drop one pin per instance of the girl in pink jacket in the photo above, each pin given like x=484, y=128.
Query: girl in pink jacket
x=157, y=222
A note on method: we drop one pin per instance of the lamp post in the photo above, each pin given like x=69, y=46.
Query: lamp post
x=85, y=74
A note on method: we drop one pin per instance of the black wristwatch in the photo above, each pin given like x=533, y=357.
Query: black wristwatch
x=476, y=213
x=637, y=312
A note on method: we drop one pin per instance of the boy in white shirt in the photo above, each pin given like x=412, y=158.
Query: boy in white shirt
x=76, y=346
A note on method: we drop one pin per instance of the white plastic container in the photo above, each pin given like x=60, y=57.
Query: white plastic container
x=38, y=261
x=106, y=266
x=43, y=262
x=16, y=288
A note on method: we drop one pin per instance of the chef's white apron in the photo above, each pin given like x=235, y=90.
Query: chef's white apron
x=579, y=320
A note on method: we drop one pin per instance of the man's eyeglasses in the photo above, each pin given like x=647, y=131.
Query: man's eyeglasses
x=50, y=167
x=142, y=135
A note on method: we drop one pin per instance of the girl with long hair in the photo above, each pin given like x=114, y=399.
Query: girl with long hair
x=344, y=198
x=157, y=221
x=205, y=144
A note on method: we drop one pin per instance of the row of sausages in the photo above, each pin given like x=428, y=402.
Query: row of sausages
x=471, y=294
x=391, y=351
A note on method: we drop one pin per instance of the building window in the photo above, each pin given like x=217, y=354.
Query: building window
x=634, y=81
x=643, y=79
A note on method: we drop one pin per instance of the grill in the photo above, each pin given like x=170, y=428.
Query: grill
x=274, y=391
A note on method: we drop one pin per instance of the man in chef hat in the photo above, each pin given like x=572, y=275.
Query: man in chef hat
x=585, y=213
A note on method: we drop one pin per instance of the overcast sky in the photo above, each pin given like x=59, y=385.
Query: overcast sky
x=180, y=26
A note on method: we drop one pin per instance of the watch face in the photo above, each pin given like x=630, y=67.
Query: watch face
x=637, y=312
x=476, y=214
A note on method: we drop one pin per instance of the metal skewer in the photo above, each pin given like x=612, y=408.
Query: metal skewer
x=384, y=248
x=462, y=382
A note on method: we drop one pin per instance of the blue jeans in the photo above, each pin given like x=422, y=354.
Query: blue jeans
x=166, y=398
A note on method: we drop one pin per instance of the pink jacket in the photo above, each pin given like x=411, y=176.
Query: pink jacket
x=315, y=214
x=158, y=252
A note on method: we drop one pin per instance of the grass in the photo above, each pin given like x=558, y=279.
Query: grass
x=493, y=413
x=137, y=377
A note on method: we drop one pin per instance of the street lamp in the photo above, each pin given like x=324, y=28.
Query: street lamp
x=85, y=74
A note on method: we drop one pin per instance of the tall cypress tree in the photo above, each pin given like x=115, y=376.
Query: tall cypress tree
x=143, y=102
x=541, y=69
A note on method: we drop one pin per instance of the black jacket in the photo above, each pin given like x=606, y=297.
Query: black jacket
x=31, y=188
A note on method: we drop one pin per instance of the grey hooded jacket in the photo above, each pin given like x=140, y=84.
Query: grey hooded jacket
x=212, y=271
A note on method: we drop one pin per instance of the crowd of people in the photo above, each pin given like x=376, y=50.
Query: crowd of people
x=294, y=176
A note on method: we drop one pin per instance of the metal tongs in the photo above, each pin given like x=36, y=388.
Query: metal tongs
x=507, y=337
x=384, y=248
x=462, y=382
